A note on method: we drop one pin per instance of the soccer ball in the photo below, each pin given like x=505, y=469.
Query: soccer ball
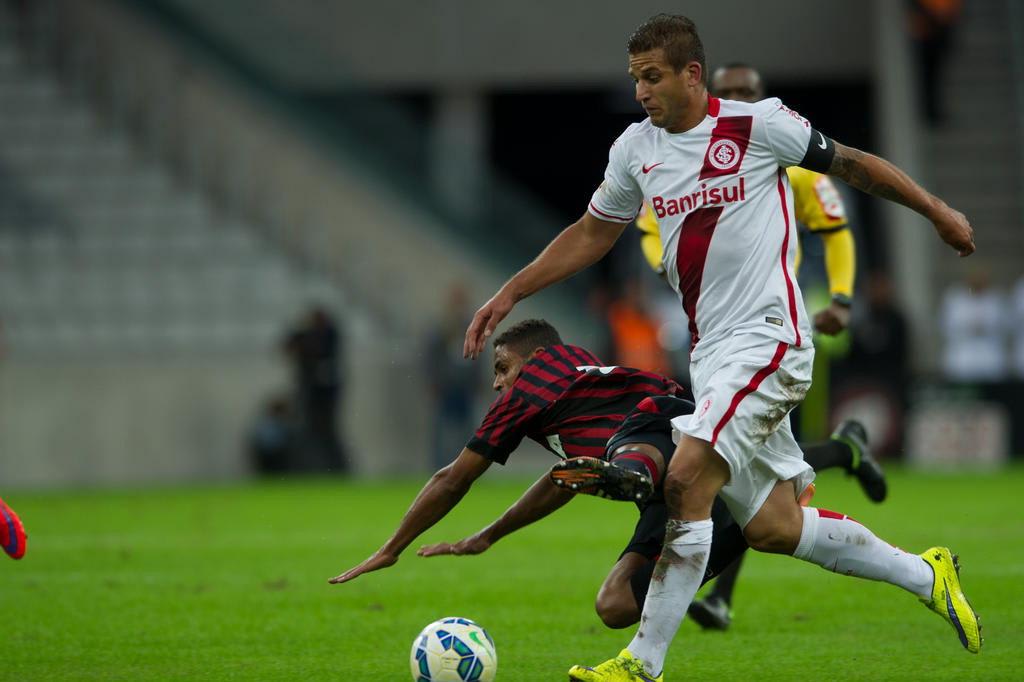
x=453, y=650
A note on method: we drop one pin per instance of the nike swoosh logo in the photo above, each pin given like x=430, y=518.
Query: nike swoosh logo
x=952, y=615
x=648, y=169
x=476, y=638
x=822, y=145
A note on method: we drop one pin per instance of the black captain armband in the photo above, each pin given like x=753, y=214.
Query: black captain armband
x=820, y=151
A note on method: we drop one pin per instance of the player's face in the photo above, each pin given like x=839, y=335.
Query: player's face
x=738, y=83
x=664, y=94
x=507, y=365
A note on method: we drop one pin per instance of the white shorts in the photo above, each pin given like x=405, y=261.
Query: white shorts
x=744, y=392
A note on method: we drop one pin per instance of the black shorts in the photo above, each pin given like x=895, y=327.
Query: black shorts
x=650, y=423
x=649, y=534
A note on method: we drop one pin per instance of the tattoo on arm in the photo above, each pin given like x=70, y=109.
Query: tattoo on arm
x=874, y=175
x=882, y=179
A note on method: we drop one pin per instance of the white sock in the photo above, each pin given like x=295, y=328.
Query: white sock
x=677, y=576
x=840, y=544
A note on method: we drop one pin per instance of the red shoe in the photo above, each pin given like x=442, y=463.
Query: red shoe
x=12, y=533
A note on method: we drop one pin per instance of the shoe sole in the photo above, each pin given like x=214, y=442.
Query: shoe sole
x=574, y=678
x=575, y=480
x=590, y=476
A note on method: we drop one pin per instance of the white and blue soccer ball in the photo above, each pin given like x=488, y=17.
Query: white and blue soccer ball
x=453, y=650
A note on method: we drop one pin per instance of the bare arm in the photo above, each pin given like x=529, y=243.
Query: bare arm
x=577, y=247
x=877, y=176
x=438, y=497
x=542, y=498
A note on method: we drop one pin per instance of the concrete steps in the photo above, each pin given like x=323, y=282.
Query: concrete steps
x=974, y=159
x=102, y=251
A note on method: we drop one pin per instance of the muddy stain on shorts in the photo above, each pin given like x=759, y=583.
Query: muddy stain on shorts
x=794, y=391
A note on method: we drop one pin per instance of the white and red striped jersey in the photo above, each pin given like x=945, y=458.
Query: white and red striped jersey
x=725, y=208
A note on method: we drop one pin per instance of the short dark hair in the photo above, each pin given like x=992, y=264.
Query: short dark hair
x=522, y=337
x=675, y=34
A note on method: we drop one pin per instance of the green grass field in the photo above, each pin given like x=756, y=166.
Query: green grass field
x=229, y=583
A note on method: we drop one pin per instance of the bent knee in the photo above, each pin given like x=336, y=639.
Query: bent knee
x=695, y=475
x=776, y=527
x=686, y=491
x=775, y=539
x=617, y=613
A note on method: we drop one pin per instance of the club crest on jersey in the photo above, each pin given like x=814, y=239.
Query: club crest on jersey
x=728, y=145
x=723, y=154
x=705, y=407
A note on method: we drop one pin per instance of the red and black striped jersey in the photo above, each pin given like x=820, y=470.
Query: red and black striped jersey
x=567, y=402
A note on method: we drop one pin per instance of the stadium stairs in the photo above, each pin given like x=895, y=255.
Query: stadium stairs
x=139, y=319
x=101, y=249
x=975, y=157
x=139, y=322
x=159, y=227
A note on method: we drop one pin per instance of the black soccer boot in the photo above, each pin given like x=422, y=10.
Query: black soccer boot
x=862, y=465
x=591, y=476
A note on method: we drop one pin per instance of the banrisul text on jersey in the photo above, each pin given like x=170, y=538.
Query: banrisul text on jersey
x=704, y=196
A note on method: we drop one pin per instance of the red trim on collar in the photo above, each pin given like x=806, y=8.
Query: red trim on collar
x=714, y=104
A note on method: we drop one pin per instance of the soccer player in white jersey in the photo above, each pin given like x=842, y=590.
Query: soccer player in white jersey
x=713, y=171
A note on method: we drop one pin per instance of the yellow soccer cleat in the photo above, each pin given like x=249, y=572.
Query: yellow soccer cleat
x=948, y=599
x=622, y=668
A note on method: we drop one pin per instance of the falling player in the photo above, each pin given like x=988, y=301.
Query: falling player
x=561, y=396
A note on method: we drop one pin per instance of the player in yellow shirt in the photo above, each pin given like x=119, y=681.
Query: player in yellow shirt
x=820, y=209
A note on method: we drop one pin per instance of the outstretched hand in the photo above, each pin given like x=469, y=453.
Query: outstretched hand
x=484, y=323
x=954, y=229
x=471, y=545
x=379, y=560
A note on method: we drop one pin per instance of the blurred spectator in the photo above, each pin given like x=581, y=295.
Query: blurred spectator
x=975, y=320
x=932, y=24
x=1017, y=312
x=879, y=341
x=673, y=329
x=635, y=332
x=598, y=300
x=453, y=380
x=272, y=438
x=872, y=380
x=314, y=349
